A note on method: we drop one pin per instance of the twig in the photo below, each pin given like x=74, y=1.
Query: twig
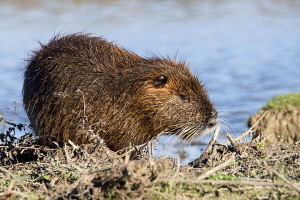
x=208, y=149
x=177, y=168
x=21, y=147
x=212, y=141
x=122, y=152
x=255, y=179
x=126, y=158
x=231, y=140
x=73, y=145
x=66, y=153
x=153, y=166
x=225, y=182
x=150, y=147
x=213, y=170
x=237, y=139
x=295, y=187
x=11, y=185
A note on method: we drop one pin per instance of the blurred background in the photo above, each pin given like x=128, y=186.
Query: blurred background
x=245, y=52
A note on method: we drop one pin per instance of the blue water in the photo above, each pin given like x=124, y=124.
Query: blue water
x=245, y=52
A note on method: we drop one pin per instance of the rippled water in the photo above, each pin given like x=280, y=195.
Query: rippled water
x=244, y=51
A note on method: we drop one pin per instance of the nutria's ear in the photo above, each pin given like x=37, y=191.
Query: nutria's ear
x=160, y=81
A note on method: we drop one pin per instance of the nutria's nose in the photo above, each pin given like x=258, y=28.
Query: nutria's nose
x=213, y=121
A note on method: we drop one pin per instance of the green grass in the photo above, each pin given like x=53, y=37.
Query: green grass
x=288, y=101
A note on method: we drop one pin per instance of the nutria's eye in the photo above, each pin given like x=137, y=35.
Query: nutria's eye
x=184, y=98
x=160, y=81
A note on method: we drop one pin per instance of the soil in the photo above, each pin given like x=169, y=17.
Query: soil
x=281, y=124
x=232, y=170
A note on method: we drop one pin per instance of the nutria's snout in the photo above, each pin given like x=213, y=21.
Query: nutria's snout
x=210, y=125
x=213, y=120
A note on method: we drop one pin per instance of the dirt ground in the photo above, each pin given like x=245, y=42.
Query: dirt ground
x=232, y=170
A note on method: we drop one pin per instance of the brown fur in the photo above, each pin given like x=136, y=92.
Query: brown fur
x=79, y=83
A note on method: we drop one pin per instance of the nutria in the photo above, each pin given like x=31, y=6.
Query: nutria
x=78, y=84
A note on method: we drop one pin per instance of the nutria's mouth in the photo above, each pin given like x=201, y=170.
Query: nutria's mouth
x=192, y=131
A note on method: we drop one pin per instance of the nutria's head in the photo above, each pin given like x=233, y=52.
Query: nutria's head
x=175, y=102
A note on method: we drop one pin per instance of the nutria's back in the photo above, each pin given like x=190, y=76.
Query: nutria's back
x=78, y=85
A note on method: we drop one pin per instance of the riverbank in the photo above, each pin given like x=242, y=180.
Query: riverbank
x=231, y=170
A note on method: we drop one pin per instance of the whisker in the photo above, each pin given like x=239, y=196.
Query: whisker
x=183, y=137
x=226, y=124
x=221, y=114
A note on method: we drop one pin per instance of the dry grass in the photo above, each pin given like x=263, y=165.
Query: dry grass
x=224, y=171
